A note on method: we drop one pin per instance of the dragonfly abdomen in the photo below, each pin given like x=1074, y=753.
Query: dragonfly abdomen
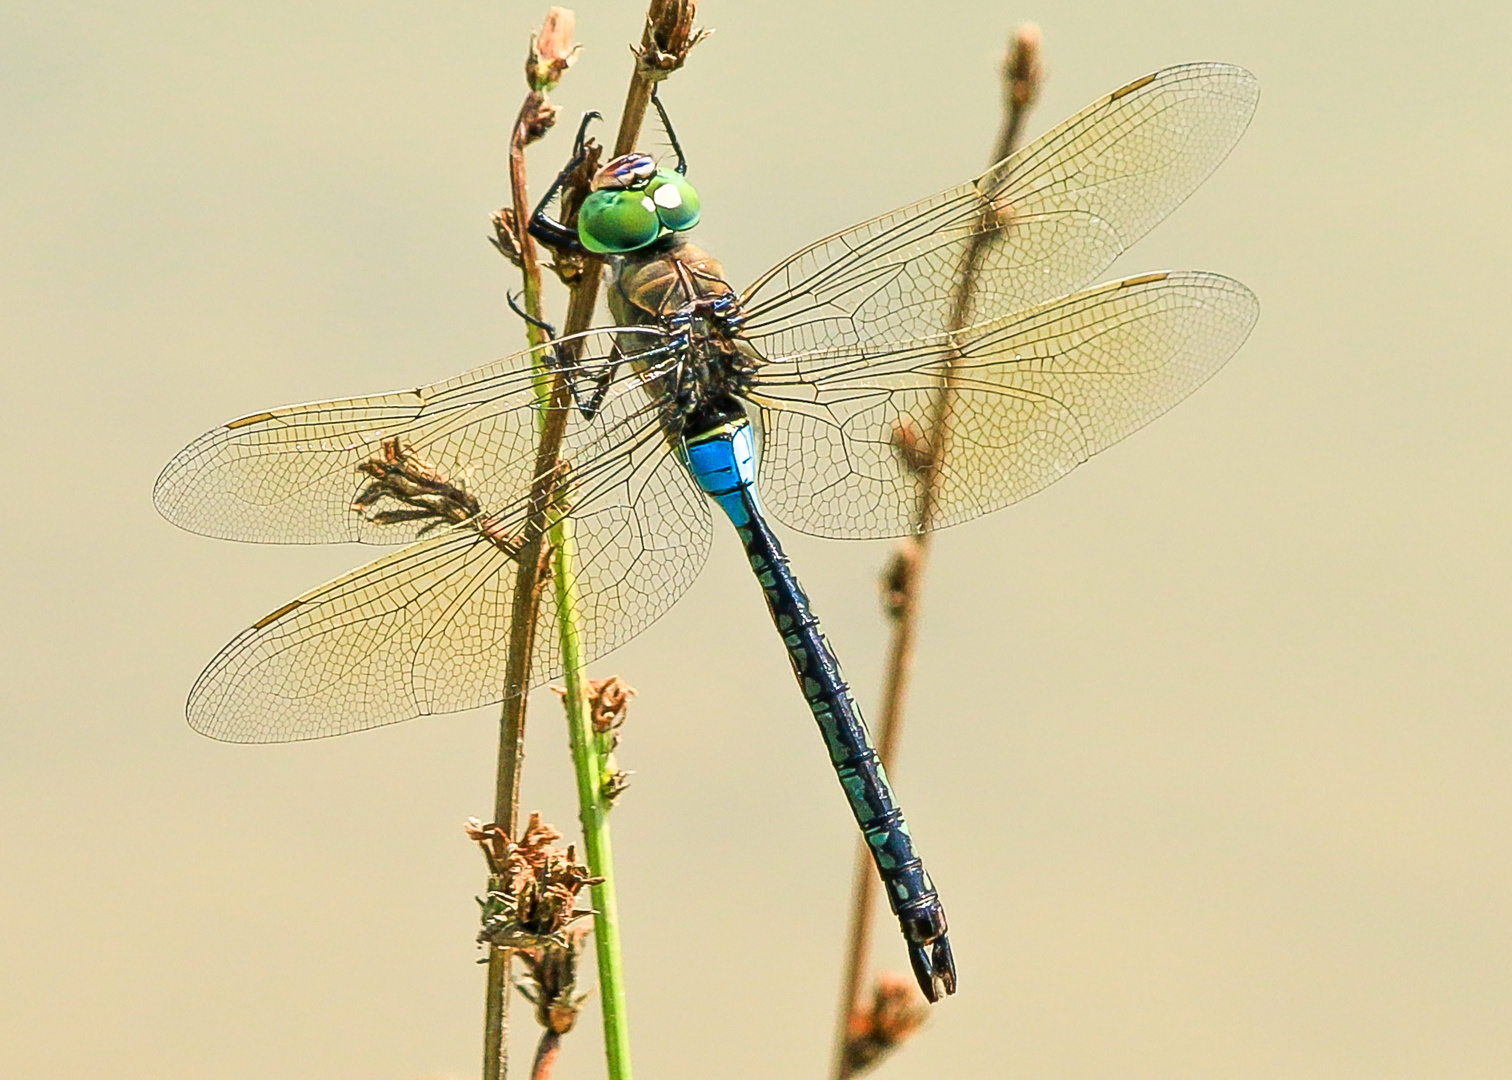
x=723, y=463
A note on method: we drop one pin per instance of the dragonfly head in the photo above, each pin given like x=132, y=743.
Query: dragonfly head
x=633, y=204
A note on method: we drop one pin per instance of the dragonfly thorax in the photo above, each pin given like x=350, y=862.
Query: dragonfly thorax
x=710, y=375
x=681, y=288
x=651, y=285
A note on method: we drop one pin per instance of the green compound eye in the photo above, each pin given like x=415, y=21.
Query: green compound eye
x=676, y=202
x=613, y=222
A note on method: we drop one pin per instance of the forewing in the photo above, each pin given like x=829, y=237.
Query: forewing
x=1033, y=396
x=292, y=475
x=1052, y=217
x=426, y=629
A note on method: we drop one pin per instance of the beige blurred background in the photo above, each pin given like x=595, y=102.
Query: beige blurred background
x=1210, y=743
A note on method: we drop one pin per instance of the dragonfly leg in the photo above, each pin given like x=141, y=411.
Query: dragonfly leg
x=514, y=306
x=661, y=110
x=543, y=226
x=726, y=313
x=590, y=408
x=721, y=309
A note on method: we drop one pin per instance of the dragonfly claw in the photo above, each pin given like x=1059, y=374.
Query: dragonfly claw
x=934, y=968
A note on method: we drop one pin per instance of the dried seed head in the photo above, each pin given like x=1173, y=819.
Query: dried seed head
x=913, y=447
x=551, y=51
x=537, y=117
x=402, y=486
x=569, y=265
x=536, y=885
x=668, y=38
x=580, y=181
x=898, y=578
x=506, y=237
x=610, y=701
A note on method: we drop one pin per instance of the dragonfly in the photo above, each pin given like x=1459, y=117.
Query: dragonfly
x=803, y=398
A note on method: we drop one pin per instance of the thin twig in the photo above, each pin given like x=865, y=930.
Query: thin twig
x=550, y=54
x=924, y=454
x=546, y=1054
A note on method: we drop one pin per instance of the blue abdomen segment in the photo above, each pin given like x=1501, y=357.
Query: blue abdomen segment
x=723, y=461
x=724, y=464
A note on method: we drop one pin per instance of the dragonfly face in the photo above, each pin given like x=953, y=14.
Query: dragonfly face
x=633, y=204
x=842, y=354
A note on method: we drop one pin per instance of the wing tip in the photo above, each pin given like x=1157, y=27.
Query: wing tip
x=1211, y=71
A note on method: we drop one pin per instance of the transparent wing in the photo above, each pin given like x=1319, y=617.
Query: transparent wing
x=425, y=629
x=292, y=475
x=1055, y=214
x=1034, y=395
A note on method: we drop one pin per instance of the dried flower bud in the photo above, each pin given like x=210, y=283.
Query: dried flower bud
x=551, y=51
x=551, y=980
x=1022, y=71
x=616, y=783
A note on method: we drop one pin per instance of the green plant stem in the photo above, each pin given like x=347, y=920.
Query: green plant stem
x=593, y=809
x=587, y=760
x=588, y=754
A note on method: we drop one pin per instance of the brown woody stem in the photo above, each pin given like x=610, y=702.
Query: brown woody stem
x=530, y=576
x=903, y=579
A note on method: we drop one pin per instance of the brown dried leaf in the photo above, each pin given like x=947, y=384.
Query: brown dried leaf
x=506, y=236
